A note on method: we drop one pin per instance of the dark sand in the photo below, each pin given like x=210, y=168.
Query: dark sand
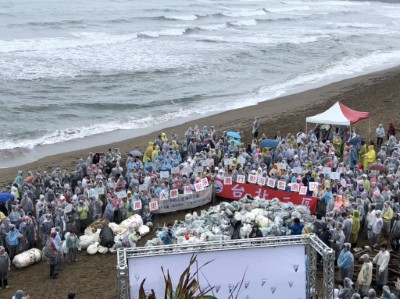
x=95, y=276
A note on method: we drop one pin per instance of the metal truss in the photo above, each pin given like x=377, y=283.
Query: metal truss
x=311, y=242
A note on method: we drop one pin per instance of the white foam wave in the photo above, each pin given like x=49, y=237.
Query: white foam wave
x=355, y=25
x=62, y=135
x=182, y=18
x=164, y=32
x=212, y=27
x=287, y=9
x=250, y=22
x=245, y=13
x=80, y=39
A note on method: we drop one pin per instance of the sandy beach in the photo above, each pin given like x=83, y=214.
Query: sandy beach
x=377, y=93
x=95, y=277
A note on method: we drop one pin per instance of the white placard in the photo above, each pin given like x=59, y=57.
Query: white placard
x=303, y=190
x=271, y=183
x=261, y=181
x=205, y=163
x=153, y=206
x=143, y=187
x=282, y=165
x=164, y=195
x=252, y=178
x=297, y=170
x=227, y=181
x=100, y=191
x=204, y=181
x=228, y=162
x=313, y=186
x=187, y=190
x=121, y=194
x=174, y=170
x=281, y=185
x=334, y=176
x=241, y=179
x=164, y=174
x=137, y=205
x=241, y=160
x=173, y=193
x=198, y=187
x=295, y=187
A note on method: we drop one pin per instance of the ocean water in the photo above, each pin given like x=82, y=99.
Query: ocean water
x=74, y=69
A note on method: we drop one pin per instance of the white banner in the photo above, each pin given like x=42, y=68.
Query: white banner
x=273, y=272
x=185, y=201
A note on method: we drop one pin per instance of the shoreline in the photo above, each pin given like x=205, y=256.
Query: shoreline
x=378, y=90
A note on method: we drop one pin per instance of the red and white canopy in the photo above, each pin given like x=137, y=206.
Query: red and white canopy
x=339, y=115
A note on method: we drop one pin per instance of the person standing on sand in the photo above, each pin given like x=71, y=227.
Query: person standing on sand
x=380, y=133
x=256, y=127
x=5, y=264
x=391, y=131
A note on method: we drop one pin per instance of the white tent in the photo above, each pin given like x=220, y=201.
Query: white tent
x=339, y=115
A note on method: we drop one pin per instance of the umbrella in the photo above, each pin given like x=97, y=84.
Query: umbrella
x=136, y=153
x=269, y=143
x=233, y=134
x=5, y=197
x=377, y=166
x=237, y=142
x=355, y=140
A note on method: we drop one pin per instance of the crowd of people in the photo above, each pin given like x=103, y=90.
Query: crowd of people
x=358, y=190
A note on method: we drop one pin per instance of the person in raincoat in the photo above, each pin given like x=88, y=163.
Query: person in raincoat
x=347, y=291
x=371, y=294
x=395, y=233
x=364, y=278
x=19, y=179
x=148, y=154
x=362, y=151
x=155, y=153
x=337, y=144
x=346, y=262
x=382, y=263
x=356, y=228
x=5, y=264
x=72, y=244
x=353, y=157
x=369, y=157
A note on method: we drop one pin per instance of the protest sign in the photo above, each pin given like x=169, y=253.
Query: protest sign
x=252, y=178
x=303, y=190
x=271, y=183
x=281, y=185
x=121, y=194
x=173, y=193
x=137, y=205
x=241, y=160
x=227, y=181
x=174, y=170
x=282, y=165
x=198, y=169
x=204, y=181
x=198, y=187
x=164, y=195
x=295, y=187
x=100, y=191
x=313, y=186
x=261, y=181
x=187, y=190
x=153, y=206
x=164, y=174
x=241, y=179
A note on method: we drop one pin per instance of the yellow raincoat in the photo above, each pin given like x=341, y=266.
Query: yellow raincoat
x=369, y=157
x=148, y=154
x=361, y=153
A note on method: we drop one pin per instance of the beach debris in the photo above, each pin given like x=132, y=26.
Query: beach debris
x=272, y=217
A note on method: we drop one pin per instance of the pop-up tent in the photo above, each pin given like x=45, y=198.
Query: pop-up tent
x=339, y=115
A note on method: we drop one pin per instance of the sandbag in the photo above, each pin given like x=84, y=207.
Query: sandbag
x=136, y=220
x=144, y=230
x=106, y=237
x=102, y=250
x=95, y=225
x=27, y=258
x=117, y=230
x=85, y=241
x=92, y=248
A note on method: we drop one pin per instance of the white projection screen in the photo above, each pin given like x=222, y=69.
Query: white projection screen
x=269, y=272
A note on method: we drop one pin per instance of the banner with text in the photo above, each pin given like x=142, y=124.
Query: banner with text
x=185, y=201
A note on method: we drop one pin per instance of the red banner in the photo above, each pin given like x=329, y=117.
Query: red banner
x=237, y=190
